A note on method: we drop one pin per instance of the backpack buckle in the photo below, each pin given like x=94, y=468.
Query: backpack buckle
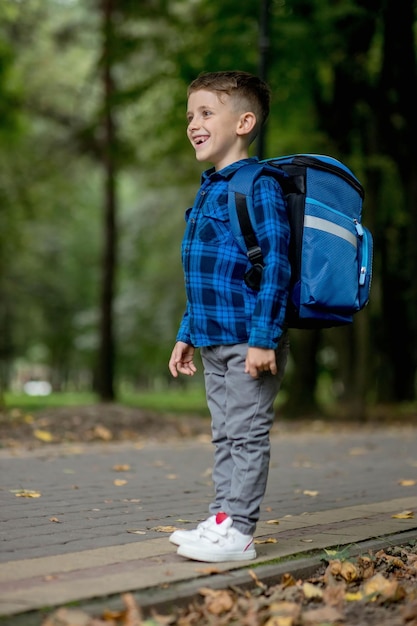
x=255, y=256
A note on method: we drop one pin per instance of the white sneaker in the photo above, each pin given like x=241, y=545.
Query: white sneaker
x=219, y=542
x=179, y=537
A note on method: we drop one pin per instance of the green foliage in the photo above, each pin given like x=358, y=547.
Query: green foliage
x=325, y=62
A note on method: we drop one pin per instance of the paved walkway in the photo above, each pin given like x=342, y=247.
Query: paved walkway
x=101, y=523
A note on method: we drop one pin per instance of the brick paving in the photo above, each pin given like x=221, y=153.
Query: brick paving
x=103, y=508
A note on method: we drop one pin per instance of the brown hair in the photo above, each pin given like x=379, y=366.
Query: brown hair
x=248, y=89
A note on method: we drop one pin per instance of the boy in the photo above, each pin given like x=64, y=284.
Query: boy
x=240, y=332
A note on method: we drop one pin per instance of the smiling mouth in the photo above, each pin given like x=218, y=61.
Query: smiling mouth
x=198, y=141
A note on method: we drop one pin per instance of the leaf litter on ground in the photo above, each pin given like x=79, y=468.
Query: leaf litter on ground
x=373, y=589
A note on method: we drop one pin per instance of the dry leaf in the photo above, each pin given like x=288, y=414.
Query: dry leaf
x=119, y=483
x=349, y=571
x=267, y=540
x=43, y=435
x=208, y=570
x=375, y=586
x=67, y=617
x=308, y=492
x=334, y=595
x=138, y=531
x=258, y=582
x=288, y=580
x=26, y=493
x=273, y=521
x=164, y=529
x=407, y=482
x=283, y=613
x=102, y=432
x=171, y=476
x=325, y=615
x=404, y=515
x=357, y=451
x=366, y=566
x=217, y=601
x=133, y=613
x=311, y=591
x=354, y=596
x=124, y=467
x=55, y=519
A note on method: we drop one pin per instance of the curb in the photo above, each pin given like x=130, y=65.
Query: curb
x=181, y=594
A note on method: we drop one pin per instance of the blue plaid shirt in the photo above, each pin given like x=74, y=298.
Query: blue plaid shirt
x=221, y=308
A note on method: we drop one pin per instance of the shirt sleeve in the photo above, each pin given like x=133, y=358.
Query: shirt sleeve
x=273, y=234
x=184, y=329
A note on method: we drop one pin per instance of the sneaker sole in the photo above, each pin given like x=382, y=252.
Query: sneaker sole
x=190, y=552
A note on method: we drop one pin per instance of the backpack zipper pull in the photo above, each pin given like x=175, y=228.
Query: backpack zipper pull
x=359, y=228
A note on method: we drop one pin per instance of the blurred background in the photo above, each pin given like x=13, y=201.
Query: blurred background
x=96, y=173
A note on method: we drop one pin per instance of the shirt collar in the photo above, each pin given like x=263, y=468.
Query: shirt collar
x=227, y=171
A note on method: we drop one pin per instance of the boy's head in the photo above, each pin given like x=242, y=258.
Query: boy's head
x=225, y=111
x=247, y=92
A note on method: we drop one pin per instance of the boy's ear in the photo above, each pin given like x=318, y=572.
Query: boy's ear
x=246, y=124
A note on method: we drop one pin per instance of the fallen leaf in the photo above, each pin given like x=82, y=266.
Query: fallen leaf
x=325, y=615
x=138, y=531
x=283, y=613
x=307, y=540
x=102, y=432
x=349, y=571
x=377, y=585
x=124, y=467
x=55, y=519
x=354, y=596
x=407, y=482
x=208, y=570
x=43, y=435
x=288, y=580
x=164, y=529
x=67, y=617
x=133, y=612
x=311, y=591
x=217, y=601
x=119, y=483
x=258, y=582
x=273, y=521
x=334, y=595
x=404, y=515
x=357, y=451
x=308, y=492
x=267, y=540
x=171, y=476
x=26, y=493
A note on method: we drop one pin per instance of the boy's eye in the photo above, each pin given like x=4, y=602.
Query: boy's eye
x=206, y=113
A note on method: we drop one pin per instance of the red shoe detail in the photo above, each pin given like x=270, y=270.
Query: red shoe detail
x=220, y=517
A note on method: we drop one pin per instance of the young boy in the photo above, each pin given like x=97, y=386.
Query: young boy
x=239, y=331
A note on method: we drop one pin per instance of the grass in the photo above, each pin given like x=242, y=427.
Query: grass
x=185, y=401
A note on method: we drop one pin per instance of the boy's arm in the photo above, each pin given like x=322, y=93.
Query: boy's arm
x=273, y=233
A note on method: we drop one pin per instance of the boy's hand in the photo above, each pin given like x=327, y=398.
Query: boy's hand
x=182, y=360
x=259, y=360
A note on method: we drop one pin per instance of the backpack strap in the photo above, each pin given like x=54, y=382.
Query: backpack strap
x=240, y=205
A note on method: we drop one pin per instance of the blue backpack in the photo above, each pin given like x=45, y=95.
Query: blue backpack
x=330, y=251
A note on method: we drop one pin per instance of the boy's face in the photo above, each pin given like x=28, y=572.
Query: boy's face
x=214, y=128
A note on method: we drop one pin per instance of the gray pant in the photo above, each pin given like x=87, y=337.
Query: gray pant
x=242, y=414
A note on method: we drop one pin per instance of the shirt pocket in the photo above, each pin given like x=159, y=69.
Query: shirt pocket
x=214, y=223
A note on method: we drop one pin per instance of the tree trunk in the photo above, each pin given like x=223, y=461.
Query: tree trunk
x=396, y=111
x=107, y=343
